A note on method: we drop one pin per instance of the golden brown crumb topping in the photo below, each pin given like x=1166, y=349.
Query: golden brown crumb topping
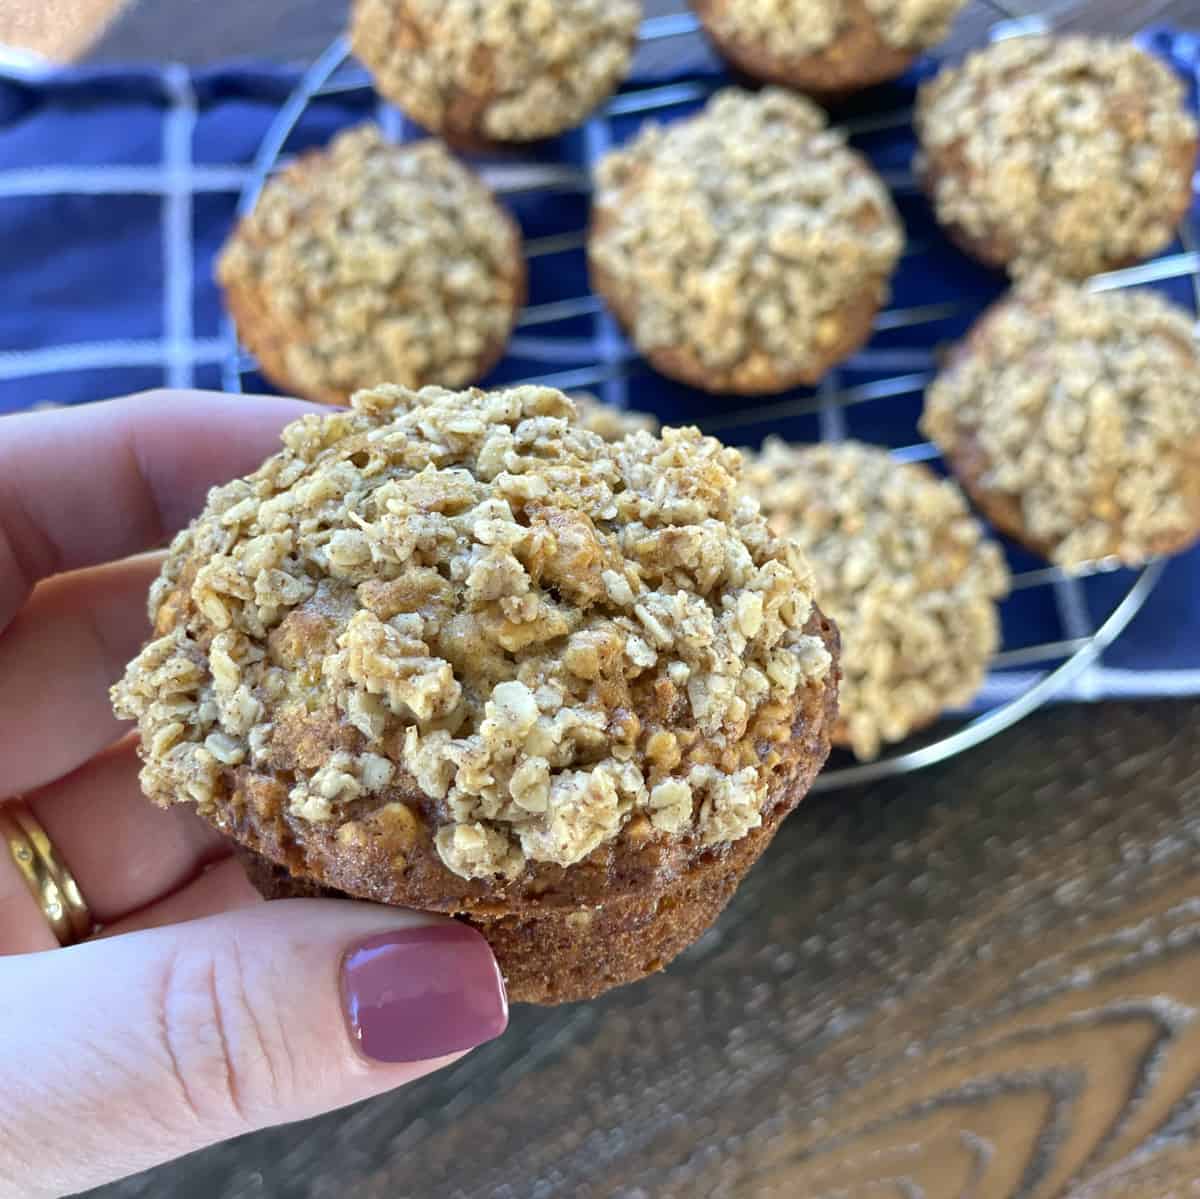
x=1070, y=153
x=612, y=423
x=802, y=27
x=541, y=632
x=1085, y=408
x=743, y=234
x=904, y=570
x=509, y=71
x=372, y=261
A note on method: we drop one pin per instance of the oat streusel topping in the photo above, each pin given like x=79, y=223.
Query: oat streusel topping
x=798, y=28
x=1072, y=153
x=506, y=70
x=612, y=423
x=541, y=632
x=901, y=566
x=741, y=236
x=373, y=262
x=1085, y=409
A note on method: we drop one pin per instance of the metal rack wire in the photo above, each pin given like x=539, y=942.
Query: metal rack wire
x=606, y=362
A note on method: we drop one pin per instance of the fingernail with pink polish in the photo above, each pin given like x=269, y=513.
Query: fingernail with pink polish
x=419, y=993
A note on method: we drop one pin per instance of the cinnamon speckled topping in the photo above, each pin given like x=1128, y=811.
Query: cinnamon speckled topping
x=506, y=70
x=901, y=566
x=369, y=262
x=740, y=238
x=541, y=633
x=1070, y=153
x=802, y=27
x=1077, y=416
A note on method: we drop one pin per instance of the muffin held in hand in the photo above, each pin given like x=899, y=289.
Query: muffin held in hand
x=1073, y=421
x=458, y=653
x=1072, y=153
x=370, y=261
x=902, y=568
x=479, y=71
x=825, y=46
x=745, y=249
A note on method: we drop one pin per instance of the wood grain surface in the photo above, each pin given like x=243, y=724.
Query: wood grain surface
x=191, y=31
x=982, y=981
x=295, y=30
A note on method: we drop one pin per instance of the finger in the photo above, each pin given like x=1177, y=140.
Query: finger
x=121, y=1053
x=222, y=887
x=123, y=852
x=58, y=658
x=101, y=481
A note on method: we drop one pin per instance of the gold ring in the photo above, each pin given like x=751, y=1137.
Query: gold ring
x=51, y=884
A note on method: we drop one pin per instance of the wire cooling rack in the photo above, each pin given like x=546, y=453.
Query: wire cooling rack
x=571, y=342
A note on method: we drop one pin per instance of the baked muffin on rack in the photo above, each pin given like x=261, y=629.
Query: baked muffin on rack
x=611, y=423
x=1070, y=153
x=825, y=46
x=745, y=249
x=903, y=569
x=455, y=651
x=1072, y=418
x=480, y=71
x=369, y=261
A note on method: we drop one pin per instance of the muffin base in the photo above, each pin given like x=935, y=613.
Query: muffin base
x=260, y=334
x=1001, y=253
x=575, y=955
x=758, y=376
x=859, y=57
x=462, y=123
x=565, y=950
x=970, y=464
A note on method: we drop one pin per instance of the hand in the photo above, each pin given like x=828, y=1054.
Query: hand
x=198, y=1012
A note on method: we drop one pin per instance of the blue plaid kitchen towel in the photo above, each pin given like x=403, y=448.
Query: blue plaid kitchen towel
x=118, y=186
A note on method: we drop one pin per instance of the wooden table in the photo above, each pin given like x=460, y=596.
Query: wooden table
x=980, y=981
x=191, y=31
x=983, y=980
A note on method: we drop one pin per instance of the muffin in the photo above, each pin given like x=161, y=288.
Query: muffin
x=369, y=262
x=825, y=46
x=745, y=249
x=1070, y=153
x=1073, y=421
x=479, y=71
x=611, y=423
x=454, y=651
x=902, y=568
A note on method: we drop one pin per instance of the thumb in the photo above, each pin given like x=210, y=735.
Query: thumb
x=119, y=1054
